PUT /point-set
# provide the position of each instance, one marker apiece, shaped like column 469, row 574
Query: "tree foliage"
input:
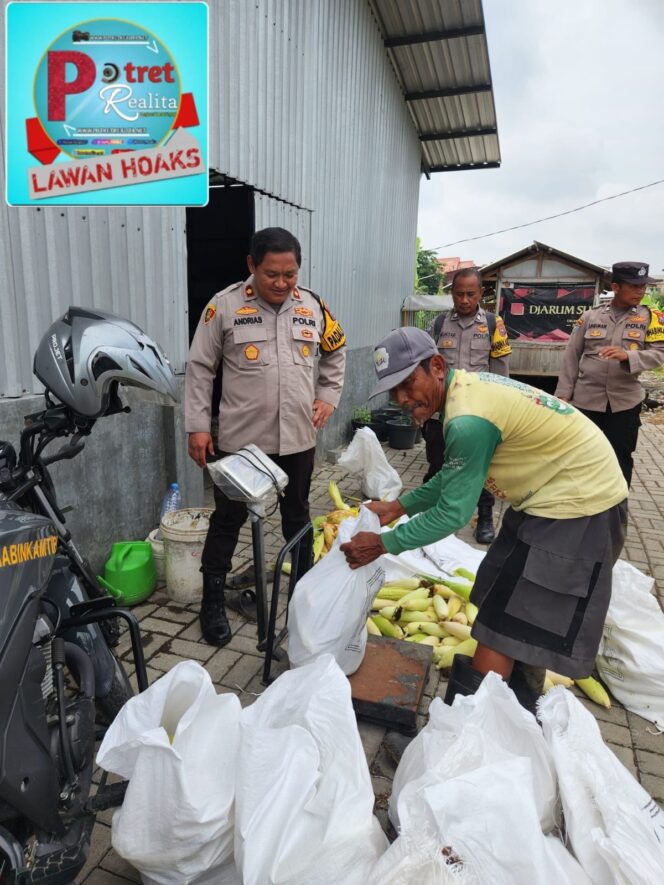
column 429, row 278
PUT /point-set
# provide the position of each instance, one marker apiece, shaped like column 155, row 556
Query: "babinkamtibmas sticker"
column 107, row 104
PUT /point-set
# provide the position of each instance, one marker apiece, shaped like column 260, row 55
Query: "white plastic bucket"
column 184, row 533
column 158, row 555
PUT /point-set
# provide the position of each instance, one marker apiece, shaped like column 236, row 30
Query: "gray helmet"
column 85, row 353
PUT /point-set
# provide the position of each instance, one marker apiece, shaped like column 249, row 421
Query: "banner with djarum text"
column 107, row 104
column 543, row 313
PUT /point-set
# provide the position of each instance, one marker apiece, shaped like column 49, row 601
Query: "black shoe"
column 464, row 678
column 247, row 578
column 527, row 683
column 484, row 533
column 214, row 623
column 243, row 602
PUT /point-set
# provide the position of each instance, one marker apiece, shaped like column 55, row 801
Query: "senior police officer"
column 469, row 338
column 266, row 332
column 544, row 586
column 609, row 347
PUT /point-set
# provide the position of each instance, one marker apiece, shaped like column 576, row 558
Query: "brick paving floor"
column 171, row 634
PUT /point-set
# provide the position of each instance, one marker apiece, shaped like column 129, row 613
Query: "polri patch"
column 210, row 314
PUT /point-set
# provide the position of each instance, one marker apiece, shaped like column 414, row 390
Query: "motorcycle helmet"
column 87, row 352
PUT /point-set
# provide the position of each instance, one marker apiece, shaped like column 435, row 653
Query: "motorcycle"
column 60, row 683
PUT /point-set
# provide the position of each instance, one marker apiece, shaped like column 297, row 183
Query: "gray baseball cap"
column 398, row 354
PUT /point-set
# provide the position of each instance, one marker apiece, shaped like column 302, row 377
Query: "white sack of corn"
column 177, row 744
column 631, row 657
column 450, row 553
column 478, row 730
column 365, row 456
column 328, row 611
column 482, row 827
column 614, row 827
column 304, row 806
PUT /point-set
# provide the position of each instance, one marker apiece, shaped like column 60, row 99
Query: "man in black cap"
column 608, row 349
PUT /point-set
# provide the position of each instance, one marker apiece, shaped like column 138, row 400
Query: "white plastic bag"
column 328, row 611
column 304, row 801
column 365, row 456
column 631, row 657
column 486, row 820
column 476, row 731
column 615, row 828
column 177, row 744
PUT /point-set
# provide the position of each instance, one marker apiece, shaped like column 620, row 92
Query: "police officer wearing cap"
column 608, row 349
column 468, row 338
column 267, row 333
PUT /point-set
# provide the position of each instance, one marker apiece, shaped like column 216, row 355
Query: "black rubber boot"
column 214, row 623
column 464, row 678
column 484, row 533
column 527, row 684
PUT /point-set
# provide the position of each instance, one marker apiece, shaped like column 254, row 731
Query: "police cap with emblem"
column 399, row 354
column 633, row 272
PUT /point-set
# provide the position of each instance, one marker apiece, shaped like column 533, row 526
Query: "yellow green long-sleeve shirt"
column 523, row 445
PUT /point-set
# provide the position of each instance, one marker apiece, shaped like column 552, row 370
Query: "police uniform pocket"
column 305, row 345
column 595, row 334
column 479, row 350
column 251, row 345
column 551, row 594
column 633, row 339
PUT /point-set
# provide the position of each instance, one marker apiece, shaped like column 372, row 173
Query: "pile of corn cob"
column 438, row 612
column 326, row 527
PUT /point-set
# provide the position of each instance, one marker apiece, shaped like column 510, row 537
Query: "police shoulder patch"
column 210, row 313
column 655, row 331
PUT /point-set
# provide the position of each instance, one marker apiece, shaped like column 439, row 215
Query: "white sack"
column 476, row 731
column 365, row 456
column 630, row 660
column 488, row 819
column 177, row 744
column 304, row 806
column 328, row 611
column 449, row 554
column 614, row 827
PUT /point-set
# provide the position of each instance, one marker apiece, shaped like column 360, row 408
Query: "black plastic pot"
column 401, row 434
column 378, row 427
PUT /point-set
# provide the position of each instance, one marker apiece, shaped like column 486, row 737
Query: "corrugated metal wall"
column 305, row 107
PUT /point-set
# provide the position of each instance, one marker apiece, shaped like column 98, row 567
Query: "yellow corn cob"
column 390, row 612
column 595, row 691
column 461, row 631
column 393, row 593
column 433, row 641
column 415, row 604
column 420, row 593
column 335, row 494
column 387, row 628
column 433, row 630
column 414, row 627
column 460, row 618
column 286, row 568
column 444, row 654
column 453, row 607
column 372, row 629
column 337, row 516
column 406, row 583
column 548, row 685
column 557, row 679
column 450, row 640
column 442, row 591
column 459, row 587
column 409, row 617
column 440, row 607
column 416, row 637
column 471, row 611
column 329, row 534
column 318, row 544
column 379, row 604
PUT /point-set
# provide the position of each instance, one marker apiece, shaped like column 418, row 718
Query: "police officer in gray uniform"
column 609, row 347
column 267, row 333
column 468, row 338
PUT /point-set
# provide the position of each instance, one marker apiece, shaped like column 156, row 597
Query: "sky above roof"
column 578, row 87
